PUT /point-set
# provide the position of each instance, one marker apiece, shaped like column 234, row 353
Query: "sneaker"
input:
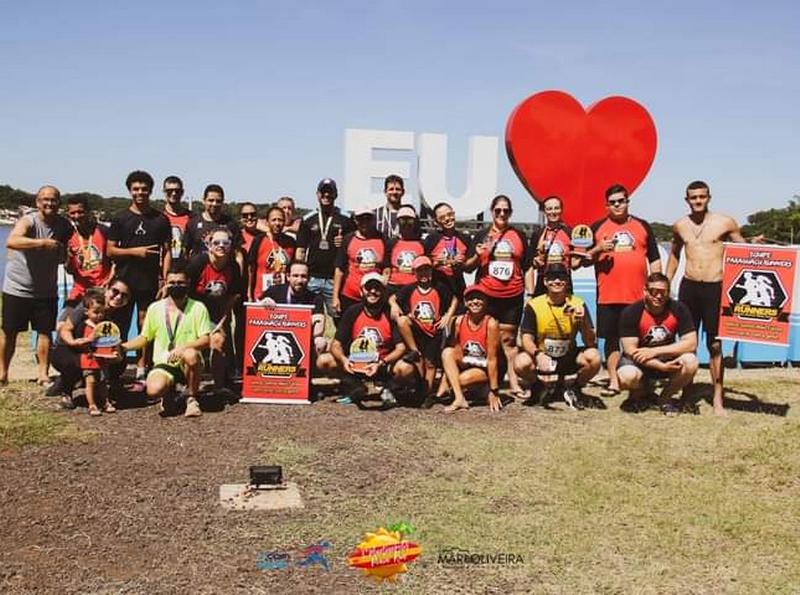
column 192, row 408
column 67, row 402
column 55, row 389
column 670, row 409
column 344, row 400
column 429, row 401
column 572, row 400
column 388, row 398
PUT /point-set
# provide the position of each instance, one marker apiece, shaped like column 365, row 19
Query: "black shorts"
column 608, row 316
column 19, row 312
column 647, row 373
column 506, row 310
column 566, row 365
column 703, row 300
column 429, row 347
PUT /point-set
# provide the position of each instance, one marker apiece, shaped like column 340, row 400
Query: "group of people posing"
column 398, row 298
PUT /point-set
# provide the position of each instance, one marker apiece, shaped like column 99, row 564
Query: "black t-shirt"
column 199, row 227
column 130, row 230
column 279, row 293
column 211, row 286
column 321, row 260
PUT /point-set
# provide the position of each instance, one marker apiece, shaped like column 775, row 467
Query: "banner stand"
column 277, row 355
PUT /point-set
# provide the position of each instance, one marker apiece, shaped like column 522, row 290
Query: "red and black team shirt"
column 474, row 342
column 211, row 286
column 357, row 257
column 652, row 330
column 401, row 258
column 439, row 245
column 501, row 266
column 426, row 307
column 270, row 256
column 356, row 322
column 88, row 259
column 622, row 273
column 178, row 225
column 554, row 244
column 247, row 240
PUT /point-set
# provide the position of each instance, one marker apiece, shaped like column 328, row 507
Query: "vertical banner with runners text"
column 757, row 283
column 277, row 354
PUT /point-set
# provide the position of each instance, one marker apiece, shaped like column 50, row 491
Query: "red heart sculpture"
column 557, row 147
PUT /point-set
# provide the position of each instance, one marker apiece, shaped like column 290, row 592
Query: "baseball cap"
column 329, row 183
column 363, row 210
column 373, row 276
column 556, row 269
column 474, row 289
column 421, row 261
column 406, row 211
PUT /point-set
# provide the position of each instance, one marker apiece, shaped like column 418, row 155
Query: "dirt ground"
column 134, row 509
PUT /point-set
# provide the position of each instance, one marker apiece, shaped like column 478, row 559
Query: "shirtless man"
column 702, row 233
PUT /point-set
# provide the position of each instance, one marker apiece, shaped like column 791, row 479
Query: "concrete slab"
column 240, row 496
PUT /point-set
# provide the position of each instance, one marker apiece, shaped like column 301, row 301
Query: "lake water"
column 4, row 231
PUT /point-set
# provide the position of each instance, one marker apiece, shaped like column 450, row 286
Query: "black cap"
column 556, row 269
column 327, row 183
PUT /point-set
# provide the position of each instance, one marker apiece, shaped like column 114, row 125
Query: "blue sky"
column 257, row 95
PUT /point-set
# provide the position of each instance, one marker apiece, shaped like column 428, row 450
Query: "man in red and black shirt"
column 448, row 249
column 177, row 214
column 403, row 251
column 363, row 251
column 428, row 308
column 87, row 251
column 658, row 341
column 624, row 247
column 368, row 346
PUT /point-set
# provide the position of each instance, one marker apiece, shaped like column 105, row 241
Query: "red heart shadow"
column 557, row 147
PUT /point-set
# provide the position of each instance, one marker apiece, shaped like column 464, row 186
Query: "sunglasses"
column 655, row 292
column 374, row 288
column 559, row 278
column 248, row 216
column 117, row 293
column 501, row 211
column 222, row 243
column 618, row 201
column 173, row 191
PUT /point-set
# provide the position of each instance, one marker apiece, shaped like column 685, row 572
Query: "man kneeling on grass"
column 367, row 346
column 550, row 324
column 180, row 329
column 651, row 350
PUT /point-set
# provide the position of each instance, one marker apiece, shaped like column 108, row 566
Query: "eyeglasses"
column 221, row 243
column 618, row 201
column 117, row 293
column 501, row 210
column 655, row 292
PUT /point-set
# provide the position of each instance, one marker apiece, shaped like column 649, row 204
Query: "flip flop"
column 609, row 392
column 453, row 408
column 95, row 412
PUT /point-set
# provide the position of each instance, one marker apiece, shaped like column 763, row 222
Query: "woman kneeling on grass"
column 471, row 356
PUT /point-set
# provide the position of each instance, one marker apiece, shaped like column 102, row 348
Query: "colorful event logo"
column 303, row 557
column 757, row 293
column 385, row 554
column 276, row 354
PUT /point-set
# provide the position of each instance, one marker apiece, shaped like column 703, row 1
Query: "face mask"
column 177, row 292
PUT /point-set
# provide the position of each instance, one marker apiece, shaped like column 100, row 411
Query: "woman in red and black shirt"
column 363, row 251
column 502, row 260
column 471, row 355
column 550, row 244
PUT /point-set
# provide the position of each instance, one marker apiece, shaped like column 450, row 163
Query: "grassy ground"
column 592, row 501
column 599, row 501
